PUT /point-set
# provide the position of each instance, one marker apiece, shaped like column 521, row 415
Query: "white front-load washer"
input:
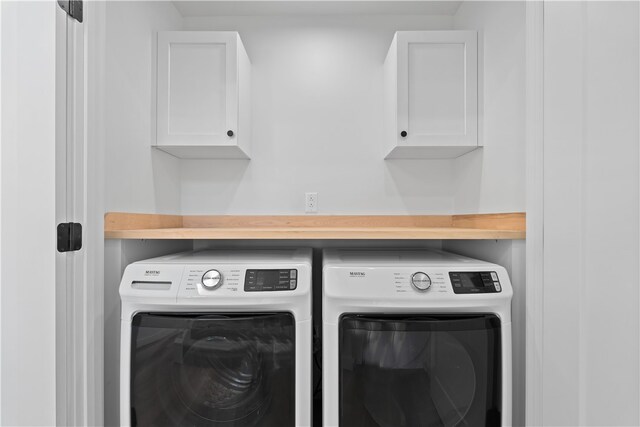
column 217, row 338
column 415, row 338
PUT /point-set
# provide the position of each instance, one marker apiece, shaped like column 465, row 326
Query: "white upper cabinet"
column 203, row 103
column 431, row 94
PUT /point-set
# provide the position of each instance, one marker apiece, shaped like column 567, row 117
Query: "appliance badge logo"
column 356, row 274
column 152, row 272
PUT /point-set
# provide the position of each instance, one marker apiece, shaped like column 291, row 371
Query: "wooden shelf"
column 229, row 227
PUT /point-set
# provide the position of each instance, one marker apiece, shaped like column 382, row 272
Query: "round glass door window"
column 419, row 371
column 213, row 370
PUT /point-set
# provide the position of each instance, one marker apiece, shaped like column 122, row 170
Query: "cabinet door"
column 197, row 88
column 437, row 88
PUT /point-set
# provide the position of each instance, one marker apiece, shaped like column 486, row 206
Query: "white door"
column 437, row 88
column 197, row 88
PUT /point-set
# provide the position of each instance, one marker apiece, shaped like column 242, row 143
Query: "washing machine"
column 217, row 338
column 415, row 338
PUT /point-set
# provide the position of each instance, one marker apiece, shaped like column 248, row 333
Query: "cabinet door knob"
column 403, row 133
column 229, row 133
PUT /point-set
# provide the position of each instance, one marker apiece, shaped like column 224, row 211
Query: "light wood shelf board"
column 332, row 227
column 119, row 221
column 503, row 221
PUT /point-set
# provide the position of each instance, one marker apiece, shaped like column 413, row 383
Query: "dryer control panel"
column 270, row 280
column 475, row 282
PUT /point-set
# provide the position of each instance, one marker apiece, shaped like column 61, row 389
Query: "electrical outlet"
column 311, row 202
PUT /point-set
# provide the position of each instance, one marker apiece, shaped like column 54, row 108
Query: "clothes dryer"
column 415, row 338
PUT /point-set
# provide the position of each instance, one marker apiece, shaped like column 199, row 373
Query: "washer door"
column 214, row 370
column 420, row 370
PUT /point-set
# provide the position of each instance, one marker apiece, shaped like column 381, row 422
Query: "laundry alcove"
column 318, row 123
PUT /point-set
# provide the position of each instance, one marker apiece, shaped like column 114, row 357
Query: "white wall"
column 493, row 179
column 138, row 178
column 591, row 313
column 316, row 118
column 27, row 213
column 317, row 88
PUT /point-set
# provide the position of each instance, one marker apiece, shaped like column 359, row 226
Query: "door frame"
column 93, row 238
column 79, row 198
column 62, row 129
column 534, row 303
column 71, row 272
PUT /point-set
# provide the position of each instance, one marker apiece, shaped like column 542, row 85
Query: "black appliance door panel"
column 231, row 370
column 420, row 370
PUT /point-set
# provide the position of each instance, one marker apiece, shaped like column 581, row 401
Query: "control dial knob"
column 211, row 280
column 421, row 281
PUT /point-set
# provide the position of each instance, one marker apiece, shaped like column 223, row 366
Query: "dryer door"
column 420, row 370
column 214, row 370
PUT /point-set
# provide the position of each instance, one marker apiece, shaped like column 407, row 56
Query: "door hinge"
column 73, row 8
column 69, row 237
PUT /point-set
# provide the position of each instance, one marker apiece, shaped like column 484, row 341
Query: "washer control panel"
column 270, row 280
column 475, row 282
column 414, row 281
column 209, row 280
